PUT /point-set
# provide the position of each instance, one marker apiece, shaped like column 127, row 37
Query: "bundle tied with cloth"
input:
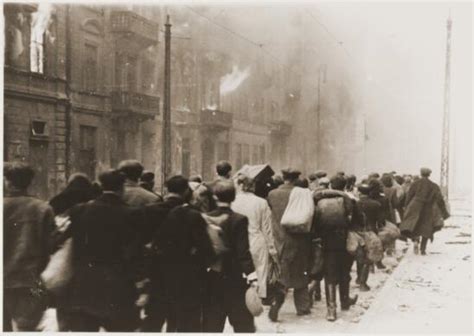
column 298, row 215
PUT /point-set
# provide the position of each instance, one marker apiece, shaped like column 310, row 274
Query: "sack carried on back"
column 331, row 210
column 298, row 215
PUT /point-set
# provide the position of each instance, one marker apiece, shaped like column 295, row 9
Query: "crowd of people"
column 185, row 261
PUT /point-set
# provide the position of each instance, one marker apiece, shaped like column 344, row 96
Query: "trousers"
column 226, row 299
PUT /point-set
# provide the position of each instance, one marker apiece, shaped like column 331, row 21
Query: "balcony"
column 133, row 29
column 216, row 120
column 126, row 102
column 280, row 128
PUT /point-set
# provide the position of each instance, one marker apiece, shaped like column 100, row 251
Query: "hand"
column 142, row 300
column 62, row 223
column 252, row 278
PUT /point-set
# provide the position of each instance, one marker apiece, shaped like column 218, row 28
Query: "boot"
column 424, row 241
column 359, row 275
column 364, row 277
column 317, row 291
column 346, row 300
column 380, row 265
column 277, row 302
column 331, row 302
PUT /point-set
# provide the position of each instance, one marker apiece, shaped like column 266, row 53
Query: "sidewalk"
column 428, row 294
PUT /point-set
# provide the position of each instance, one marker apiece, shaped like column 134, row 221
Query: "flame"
column 40, row 21
column 232, row 81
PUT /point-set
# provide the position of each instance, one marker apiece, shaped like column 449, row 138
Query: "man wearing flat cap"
column 425, row 209
column 293, row 251
column 314, row 179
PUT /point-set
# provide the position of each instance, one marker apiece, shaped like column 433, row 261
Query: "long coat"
column 294, row 249
column 261, row 241
column 424, row 207
column 186, row 251
column 106, row 257
column 27, row 226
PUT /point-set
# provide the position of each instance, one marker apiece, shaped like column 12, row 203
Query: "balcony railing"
column 216, row 119
column 132, row 102
column 136, row 27
column 280, row 128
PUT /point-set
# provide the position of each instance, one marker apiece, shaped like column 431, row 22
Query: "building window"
column 90, row 67
column 255, row 157
column 87, row 150
column 262, row 154
column 222, row 151
column 37, row 47
column 186, row 157
column 245, row 154
column 238, row 156
column 87, row 137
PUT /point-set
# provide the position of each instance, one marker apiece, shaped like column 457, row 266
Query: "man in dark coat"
column 27, row 226
column 103, row 290
column 373, row 218
column 185, row 251
column 158, row 308
column 425, row 207
column 225, row 296
column 293, row 249
column 332, row 220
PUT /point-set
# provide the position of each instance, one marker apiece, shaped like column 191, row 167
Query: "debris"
column 459, row 242
column 403, row 307
column 466, row 258
column 463, row 234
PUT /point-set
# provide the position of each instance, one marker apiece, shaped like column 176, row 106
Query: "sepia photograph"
column 300, row 167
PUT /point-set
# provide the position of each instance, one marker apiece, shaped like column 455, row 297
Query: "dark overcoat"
column 186, row 252
column 424, row 207
column 27, row 227
column 294, row 249
column 107, row 250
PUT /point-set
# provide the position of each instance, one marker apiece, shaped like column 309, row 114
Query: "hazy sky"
column 400, row 50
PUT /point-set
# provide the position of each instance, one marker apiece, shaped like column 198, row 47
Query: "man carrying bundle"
column 332, row 220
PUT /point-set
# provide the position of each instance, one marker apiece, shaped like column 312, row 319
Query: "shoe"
column 346, row 300
column 278, row 300
column 331, row 302
column 304, row 312
column 364, row 288
column 364, row 276
column 423, row 253
column 380, row 265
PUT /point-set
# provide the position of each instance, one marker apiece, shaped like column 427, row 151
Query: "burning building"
column 83, row 83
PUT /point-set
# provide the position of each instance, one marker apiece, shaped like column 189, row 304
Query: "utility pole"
column 166, row 128
column 444, row 174
column 318, row 121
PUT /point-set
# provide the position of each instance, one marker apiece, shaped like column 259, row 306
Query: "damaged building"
column 83, row 86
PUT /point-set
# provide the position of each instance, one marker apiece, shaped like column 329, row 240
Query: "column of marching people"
column 114, row 255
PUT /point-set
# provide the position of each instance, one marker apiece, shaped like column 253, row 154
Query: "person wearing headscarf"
column 78, row 190
column 262, row 245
